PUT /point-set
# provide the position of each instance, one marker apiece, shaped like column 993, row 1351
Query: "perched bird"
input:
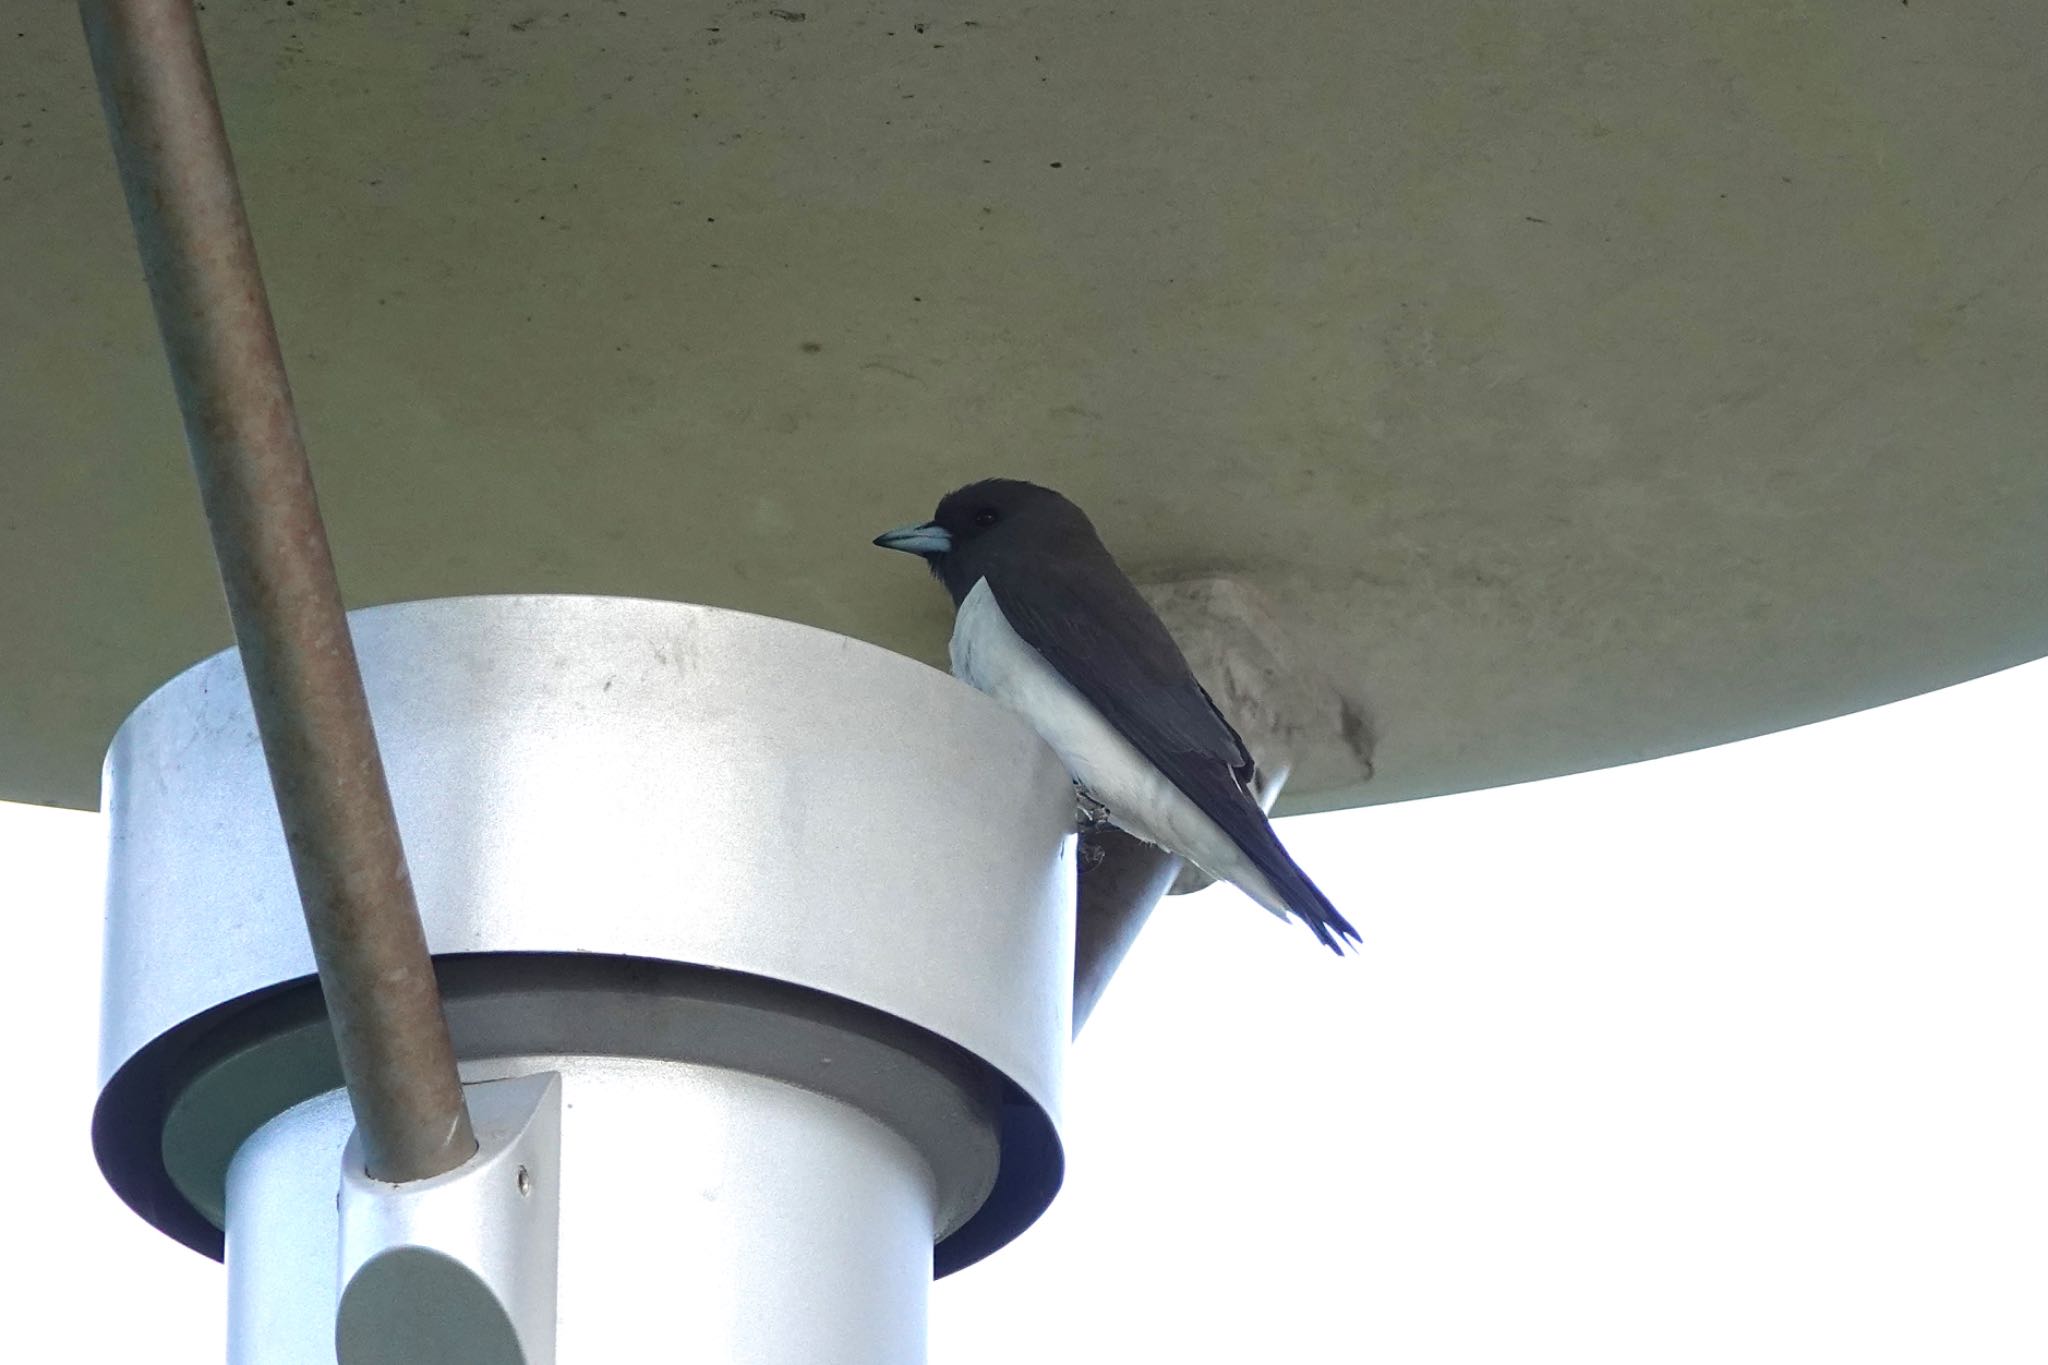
column 1046, row 623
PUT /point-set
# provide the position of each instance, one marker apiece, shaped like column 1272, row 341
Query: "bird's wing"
column 1107, row 642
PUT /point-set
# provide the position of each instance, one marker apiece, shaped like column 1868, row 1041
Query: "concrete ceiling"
column 1589, row 380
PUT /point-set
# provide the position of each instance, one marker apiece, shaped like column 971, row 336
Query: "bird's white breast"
column 991, row 657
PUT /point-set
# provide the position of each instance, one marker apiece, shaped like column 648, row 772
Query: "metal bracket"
column 459, row 1268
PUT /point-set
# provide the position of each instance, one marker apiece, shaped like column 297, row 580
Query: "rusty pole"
column 200, row 261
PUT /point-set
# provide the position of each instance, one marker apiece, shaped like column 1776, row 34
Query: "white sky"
column 1731, row 1056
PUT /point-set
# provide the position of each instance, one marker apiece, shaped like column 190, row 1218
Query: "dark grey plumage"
column 1065, row 597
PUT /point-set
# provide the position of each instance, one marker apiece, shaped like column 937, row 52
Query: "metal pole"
column 1121, row 881
column 200, row 262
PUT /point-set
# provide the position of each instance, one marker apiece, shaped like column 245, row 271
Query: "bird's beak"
column 925, row 538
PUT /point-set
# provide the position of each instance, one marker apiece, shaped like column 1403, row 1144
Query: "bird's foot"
column 1089, row 814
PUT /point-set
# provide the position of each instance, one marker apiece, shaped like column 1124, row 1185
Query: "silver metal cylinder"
column 788, row 919
column 707, row 1215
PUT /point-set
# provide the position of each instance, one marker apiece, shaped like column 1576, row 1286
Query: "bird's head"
column 985, row 521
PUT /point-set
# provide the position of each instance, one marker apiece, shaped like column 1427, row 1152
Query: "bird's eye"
column 985, row 517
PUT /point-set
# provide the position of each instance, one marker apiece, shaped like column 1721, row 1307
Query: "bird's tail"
column 1301, row 897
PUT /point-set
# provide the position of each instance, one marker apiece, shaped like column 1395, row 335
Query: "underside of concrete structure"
column 1584, row 381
